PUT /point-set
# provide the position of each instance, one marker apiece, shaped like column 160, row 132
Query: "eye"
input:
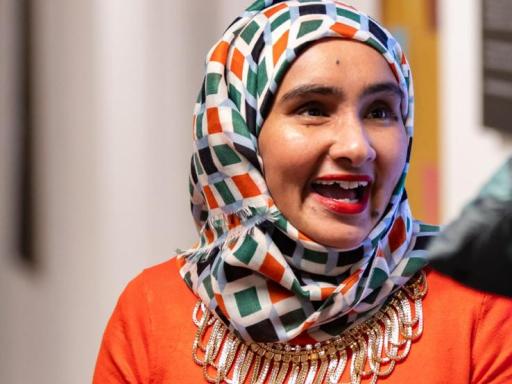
column 383, row 112
column 312, row 109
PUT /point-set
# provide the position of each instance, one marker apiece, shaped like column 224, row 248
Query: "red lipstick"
column 342, row 194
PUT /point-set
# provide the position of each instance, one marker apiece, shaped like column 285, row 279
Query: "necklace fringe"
column 369, row 350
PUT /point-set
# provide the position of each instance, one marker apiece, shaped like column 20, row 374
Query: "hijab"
column 267, row 281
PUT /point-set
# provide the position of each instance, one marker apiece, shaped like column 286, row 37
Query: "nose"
column 351, row 142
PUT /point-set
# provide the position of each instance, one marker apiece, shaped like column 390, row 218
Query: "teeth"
column 351, row 201
column 343, row 184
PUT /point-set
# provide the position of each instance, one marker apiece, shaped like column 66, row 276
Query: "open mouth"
column 343, row 194
column 348, row 191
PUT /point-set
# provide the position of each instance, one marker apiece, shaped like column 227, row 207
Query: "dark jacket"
column 476, row 249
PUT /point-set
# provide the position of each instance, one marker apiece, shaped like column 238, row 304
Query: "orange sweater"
column 467, row 336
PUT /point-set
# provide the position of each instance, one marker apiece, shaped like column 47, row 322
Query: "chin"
column 349, row 239
column 344, row 245
column 333, row 231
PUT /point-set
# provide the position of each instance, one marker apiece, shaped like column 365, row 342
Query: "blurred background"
column 96, row 101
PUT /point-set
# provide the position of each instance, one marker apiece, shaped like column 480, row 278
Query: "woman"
column 310, row 267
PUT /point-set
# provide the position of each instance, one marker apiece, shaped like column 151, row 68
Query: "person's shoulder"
column 157, row 299
column 160, row 282
column 451, row 301
column 150, row 326
column 445, row 287
column 161, row 274
column 478, row 323
column 451, row 297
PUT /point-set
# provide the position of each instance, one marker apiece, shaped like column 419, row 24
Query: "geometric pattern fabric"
column 251, row 266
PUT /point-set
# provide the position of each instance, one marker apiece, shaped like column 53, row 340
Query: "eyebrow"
column 387, row 87
column 311, row 89
column 318, row 89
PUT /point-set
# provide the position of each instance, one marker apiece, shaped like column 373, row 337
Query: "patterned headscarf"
column 264, row 278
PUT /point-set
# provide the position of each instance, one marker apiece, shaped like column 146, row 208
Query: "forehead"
column 338, row 61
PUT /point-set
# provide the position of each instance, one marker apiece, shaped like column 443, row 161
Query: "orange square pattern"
column 343, row 29
column 272, row 268
column 212, row 202
column 246, row 186
column 237, row 63
column 397, row 234
column 209, row 235
column 326, row 292
column 274, row 10
column 212, row 115
column 279, row 47
column 220, row 53
column 349, row 283
column 233, row 221
column 277, row 292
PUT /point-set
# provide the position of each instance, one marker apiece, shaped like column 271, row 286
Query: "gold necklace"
column 370, row 349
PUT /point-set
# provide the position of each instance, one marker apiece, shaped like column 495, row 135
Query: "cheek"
column 391, row 148
column 285, row 156
column 393, row 156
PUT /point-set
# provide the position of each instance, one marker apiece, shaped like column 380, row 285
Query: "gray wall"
column 114, row 91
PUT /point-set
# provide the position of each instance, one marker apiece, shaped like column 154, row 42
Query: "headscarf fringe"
column 249, row 218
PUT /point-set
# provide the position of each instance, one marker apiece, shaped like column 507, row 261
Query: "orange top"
column 466, row 339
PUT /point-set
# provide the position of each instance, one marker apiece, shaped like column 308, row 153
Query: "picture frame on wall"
column 497, row 64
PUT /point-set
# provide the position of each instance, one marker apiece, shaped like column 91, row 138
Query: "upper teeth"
column 343, row 184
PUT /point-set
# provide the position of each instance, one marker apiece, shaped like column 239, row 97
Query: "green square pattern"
column 224, row 191
column 247, row 301
column 280, row 20
column 226, row 155
column 212, row 83
column 297, row 289
column 239, row 125
column 377, row 278
column 257, row 5
column 315, row 257
column 252, row 84
column 235, row 95
column 348, row 14
column 197, row 164
column 428, row 228
column 249, row 31
column 199, row 125
column 375, row 44
column 309, row 26
column 262, row 77
column 414, row 264
column 208, row 286
column 281, row 71
column 246, row 251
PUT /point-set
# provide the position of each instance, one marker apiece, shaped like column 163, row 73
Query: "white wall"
column 371, row 7
column 470, row 152
column 229, row 9
column 116, row 84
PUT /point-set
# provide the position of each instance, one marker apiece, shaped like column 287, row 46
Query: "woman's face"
column 334, row 145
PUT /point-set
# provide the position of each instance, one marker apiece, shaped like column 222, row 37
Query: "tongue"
column 335, row 192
